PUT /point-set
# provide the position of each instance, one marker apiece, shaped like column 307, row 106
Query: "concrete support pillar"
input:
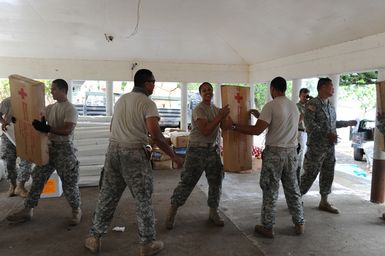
column 109, row 97
column 70, row 90
column 268, row 95
column 377, row 194
column 336, row 83
column 252, row 102
column 217, row 95
column 297, row 85
column 183, row 106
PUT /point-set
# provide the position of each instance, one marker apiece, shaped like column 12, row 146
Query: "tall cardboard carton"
column 237, row 146
column 27, row 99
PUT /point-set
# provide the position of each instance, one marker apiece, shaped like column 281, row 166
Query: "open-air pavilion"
column 221, row 41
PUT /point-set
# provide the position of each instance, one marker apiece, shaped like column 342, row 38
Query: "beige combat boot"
column 324, row 205
column 299, row 229
column 215, row 218
column 21, row 216
column 11, row 190
column 265, row 232
column 151, row 248
column 94, row 244
column 76, row 217
column 20, row 190
column 170, row 219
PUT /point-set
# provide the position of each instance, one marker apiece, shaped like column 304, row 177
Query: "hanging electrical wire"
column 137, row 20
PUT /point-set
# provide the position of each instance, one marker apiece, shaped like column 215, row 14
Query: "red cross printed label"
column 22, row 93
column 238, row 97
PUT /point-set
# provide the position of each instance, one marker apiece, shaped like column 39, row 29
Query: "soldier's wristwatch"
column 233, row 127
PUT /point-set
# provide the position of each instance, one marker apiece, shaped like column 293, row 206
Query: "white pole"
column 217, row 95
column 109, row 96
column 297, row 84
column 336, row 83
column 70, row 90
column 183, row 107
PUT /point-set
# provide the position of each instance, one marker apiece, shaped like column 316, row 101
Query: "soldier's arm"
column 206, row 127
column 340, row 124
column 65, row 130
column 311, row 123
column 3, row 123
column 152, row 124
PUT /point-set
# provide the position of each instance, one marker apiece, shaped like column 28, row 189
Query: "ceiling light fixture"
column 109, row 38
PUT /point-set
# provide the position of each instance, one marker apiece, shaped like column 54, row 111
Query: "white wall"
column 359, row 55
column 121, row 70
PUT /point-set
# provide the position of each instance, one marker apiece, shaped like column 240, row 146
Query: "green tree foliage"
column 360, row 88
column 260, row 95
column 4, row 89
column 358, row 78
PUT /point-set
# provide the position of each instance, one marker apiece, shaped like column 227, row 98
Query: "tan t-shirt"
column 204, row 111
column 6, row 109
column 59, row 113
column 129, row 119
column 282, row 116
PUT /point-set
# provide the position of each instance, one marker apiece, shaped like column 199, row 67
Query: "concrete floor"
column 358, row 230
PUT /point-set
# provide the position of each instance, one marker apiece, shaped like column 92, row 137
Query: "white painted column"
column 268, row 95
column 183, row 106
column 297, row 85
column 378, row 173
column 336, row 83
column 109, row 97
column 217, row 95
column 70, row 90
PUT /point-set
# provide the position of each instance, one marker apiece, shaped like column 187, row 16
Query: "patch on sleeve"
column 311, row 107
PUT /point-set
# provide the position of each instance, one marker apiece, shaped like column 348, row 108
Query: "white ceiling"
column 183, row 31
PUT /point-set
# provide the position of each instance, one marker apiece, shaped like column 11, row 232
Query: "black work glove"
column 13, row 120
column 41, row 126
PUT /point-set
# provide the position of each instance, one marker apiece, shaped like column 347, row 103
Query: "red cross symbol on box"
column 238, row 98
column 22, row 93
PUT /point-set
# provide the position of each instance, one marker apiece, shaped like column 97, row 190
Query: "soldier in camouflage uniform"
column 62, row 117
column 279, row 158
column 8, row 149
column 202, row 155
column 302, row 136
column 321, row 125
column 127, row 164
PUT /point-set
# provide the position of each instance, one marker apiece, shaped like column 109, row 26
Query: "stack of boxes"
column 179, row 141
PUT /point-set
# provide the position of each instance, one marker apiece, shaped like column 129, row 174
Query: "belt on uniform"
column 301, row 130
column 58, row 143
column 202, row 145
column 129, row 145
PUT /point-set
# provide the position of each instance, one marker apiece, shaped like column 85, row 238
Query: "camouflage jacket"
column 320, row 120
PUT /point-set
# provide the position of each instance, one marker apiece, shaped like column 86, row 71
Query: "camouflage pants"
column 279, row 164
column 322, row 161
column 8, row 151
column 62, row 158
column 126, row 166
column 199, row 159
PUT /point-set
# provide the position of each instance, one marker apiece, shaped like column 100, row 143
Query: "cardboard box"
column 158, row 155
column 27, row 99
column 179, row 139
column 53, row 187
column 162, row 165
column 237, row 146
